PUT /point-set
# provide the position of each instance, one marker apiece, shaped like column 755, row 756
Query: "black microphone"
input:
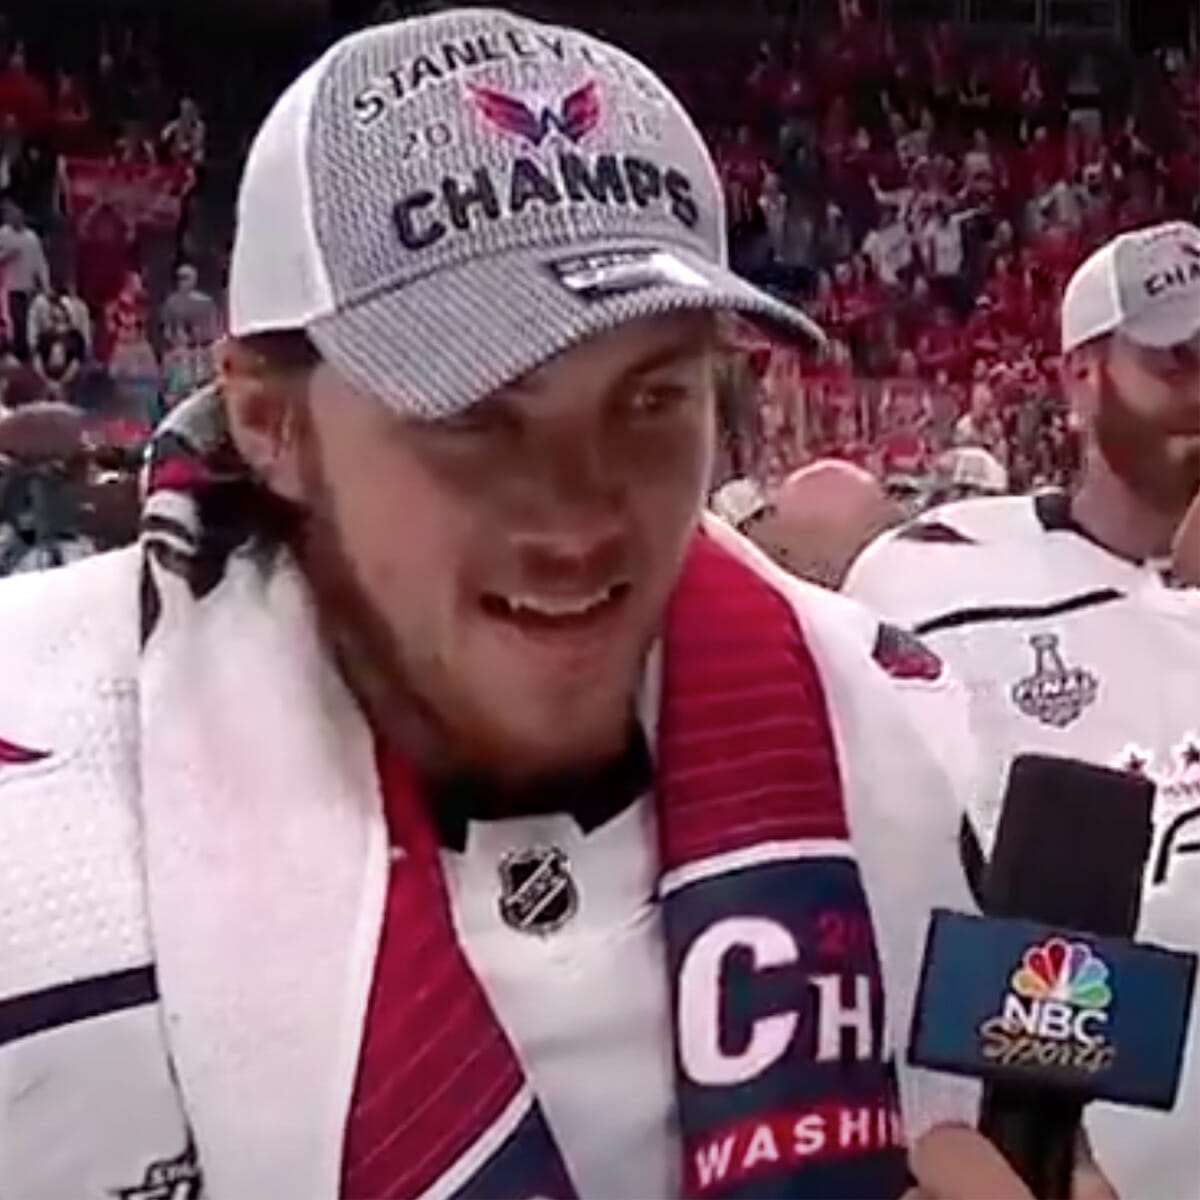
column 1046, row 997
column 1070, row 850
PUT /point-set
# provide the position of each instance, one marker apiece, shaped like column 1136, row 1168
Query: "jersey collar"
column 1053, row 511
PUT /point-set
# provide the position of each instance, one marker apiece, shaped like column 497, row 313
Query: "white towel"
column 264, row 839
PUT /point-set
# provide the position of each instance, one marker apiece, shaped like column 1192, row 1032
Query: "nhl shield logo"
column 1055, row 694
column 537, row 892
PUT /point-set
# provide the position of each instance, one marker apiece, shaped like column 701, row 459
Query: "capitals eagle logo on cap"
column 576, row 117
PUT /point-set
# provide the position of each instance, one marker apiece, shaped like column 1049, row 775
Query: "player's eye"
column 656, row 398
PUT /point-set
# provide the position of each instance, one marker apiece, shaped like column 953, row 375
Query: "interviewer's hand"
column 953, row 1162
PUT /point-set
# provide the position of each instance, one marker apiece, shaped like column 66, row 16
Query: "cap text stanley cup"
column 451, row 58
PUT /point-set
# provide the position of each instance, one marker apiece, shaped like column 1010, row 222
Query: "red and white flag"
column 144, row 195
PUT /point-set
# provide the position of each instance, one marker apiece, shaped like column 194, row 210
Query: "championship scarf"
column 781, row 1084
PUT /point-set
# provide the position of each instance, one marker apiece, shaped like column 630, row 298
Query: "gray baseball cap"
column 1145, row 284
column 445, row 202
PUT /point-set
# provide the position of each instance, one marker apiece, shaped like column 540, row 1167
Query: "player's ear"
column 264, row 407
column 1079, row 374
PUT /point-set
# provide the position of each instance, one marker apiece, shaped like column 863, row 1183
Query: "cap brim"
column 1170, row 323
column 437, row 345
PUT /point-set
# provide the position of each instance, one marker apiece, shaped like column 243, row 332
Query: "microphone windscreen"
column 1071, row 846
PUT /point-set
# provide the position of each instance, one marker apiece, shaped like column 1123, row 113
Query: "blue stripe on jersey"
column 68, row 1003
column 991, row 614
column 527, row 1163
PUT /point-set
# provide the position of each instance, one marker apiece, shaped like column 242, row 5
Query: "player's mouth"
column 542, row 614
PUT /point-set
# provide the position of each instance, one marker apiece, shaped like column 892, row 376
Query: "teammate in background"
column 826, row 513
column 1060, row 612
column 433, row 803
column 816, row 523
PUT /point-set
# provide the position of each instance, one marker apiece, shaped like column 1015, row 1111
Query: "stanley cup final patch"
column 538, row 894
column 1055, row 693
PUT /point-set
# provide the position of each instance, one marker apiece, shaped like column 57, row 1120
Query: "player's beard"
column 1144, row 454
column 357, row 632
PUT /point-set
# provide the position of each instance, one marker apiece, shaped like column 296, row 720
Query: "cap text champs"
column 423, row 217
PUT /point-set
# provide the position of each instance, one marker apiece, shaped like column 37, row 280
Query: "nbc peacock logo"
column 1066, row 972
column 1055, row 1012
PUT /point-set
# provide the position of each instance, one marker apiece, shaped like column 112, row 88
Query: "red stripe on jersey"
column 435, row 1070
column 744, row 738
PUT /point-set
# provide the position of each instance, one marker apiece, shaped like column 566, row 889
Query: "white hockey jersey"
column 1068, row 649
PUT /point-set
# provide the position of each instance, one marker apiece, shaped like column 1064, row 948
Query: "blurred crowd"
column 103, row 321
column 923, row 195
column 927, row 198
column 100, row 306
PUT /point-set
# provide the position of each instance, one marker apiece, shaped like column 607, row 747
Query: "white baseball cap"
column 444, row 203
column 739, row 501
column 1146, row 284
column 975, row 468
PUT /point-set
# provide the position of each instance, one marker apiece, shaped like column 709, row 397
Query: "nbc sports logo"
column 1064, row 973
column 1055, row 1011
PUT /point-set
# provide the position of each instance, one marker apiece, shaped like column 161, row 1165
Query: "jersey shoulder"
column 68, row 744
column 988, row 520
column 70, row 638
column 992, row 522
column 945, row 554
